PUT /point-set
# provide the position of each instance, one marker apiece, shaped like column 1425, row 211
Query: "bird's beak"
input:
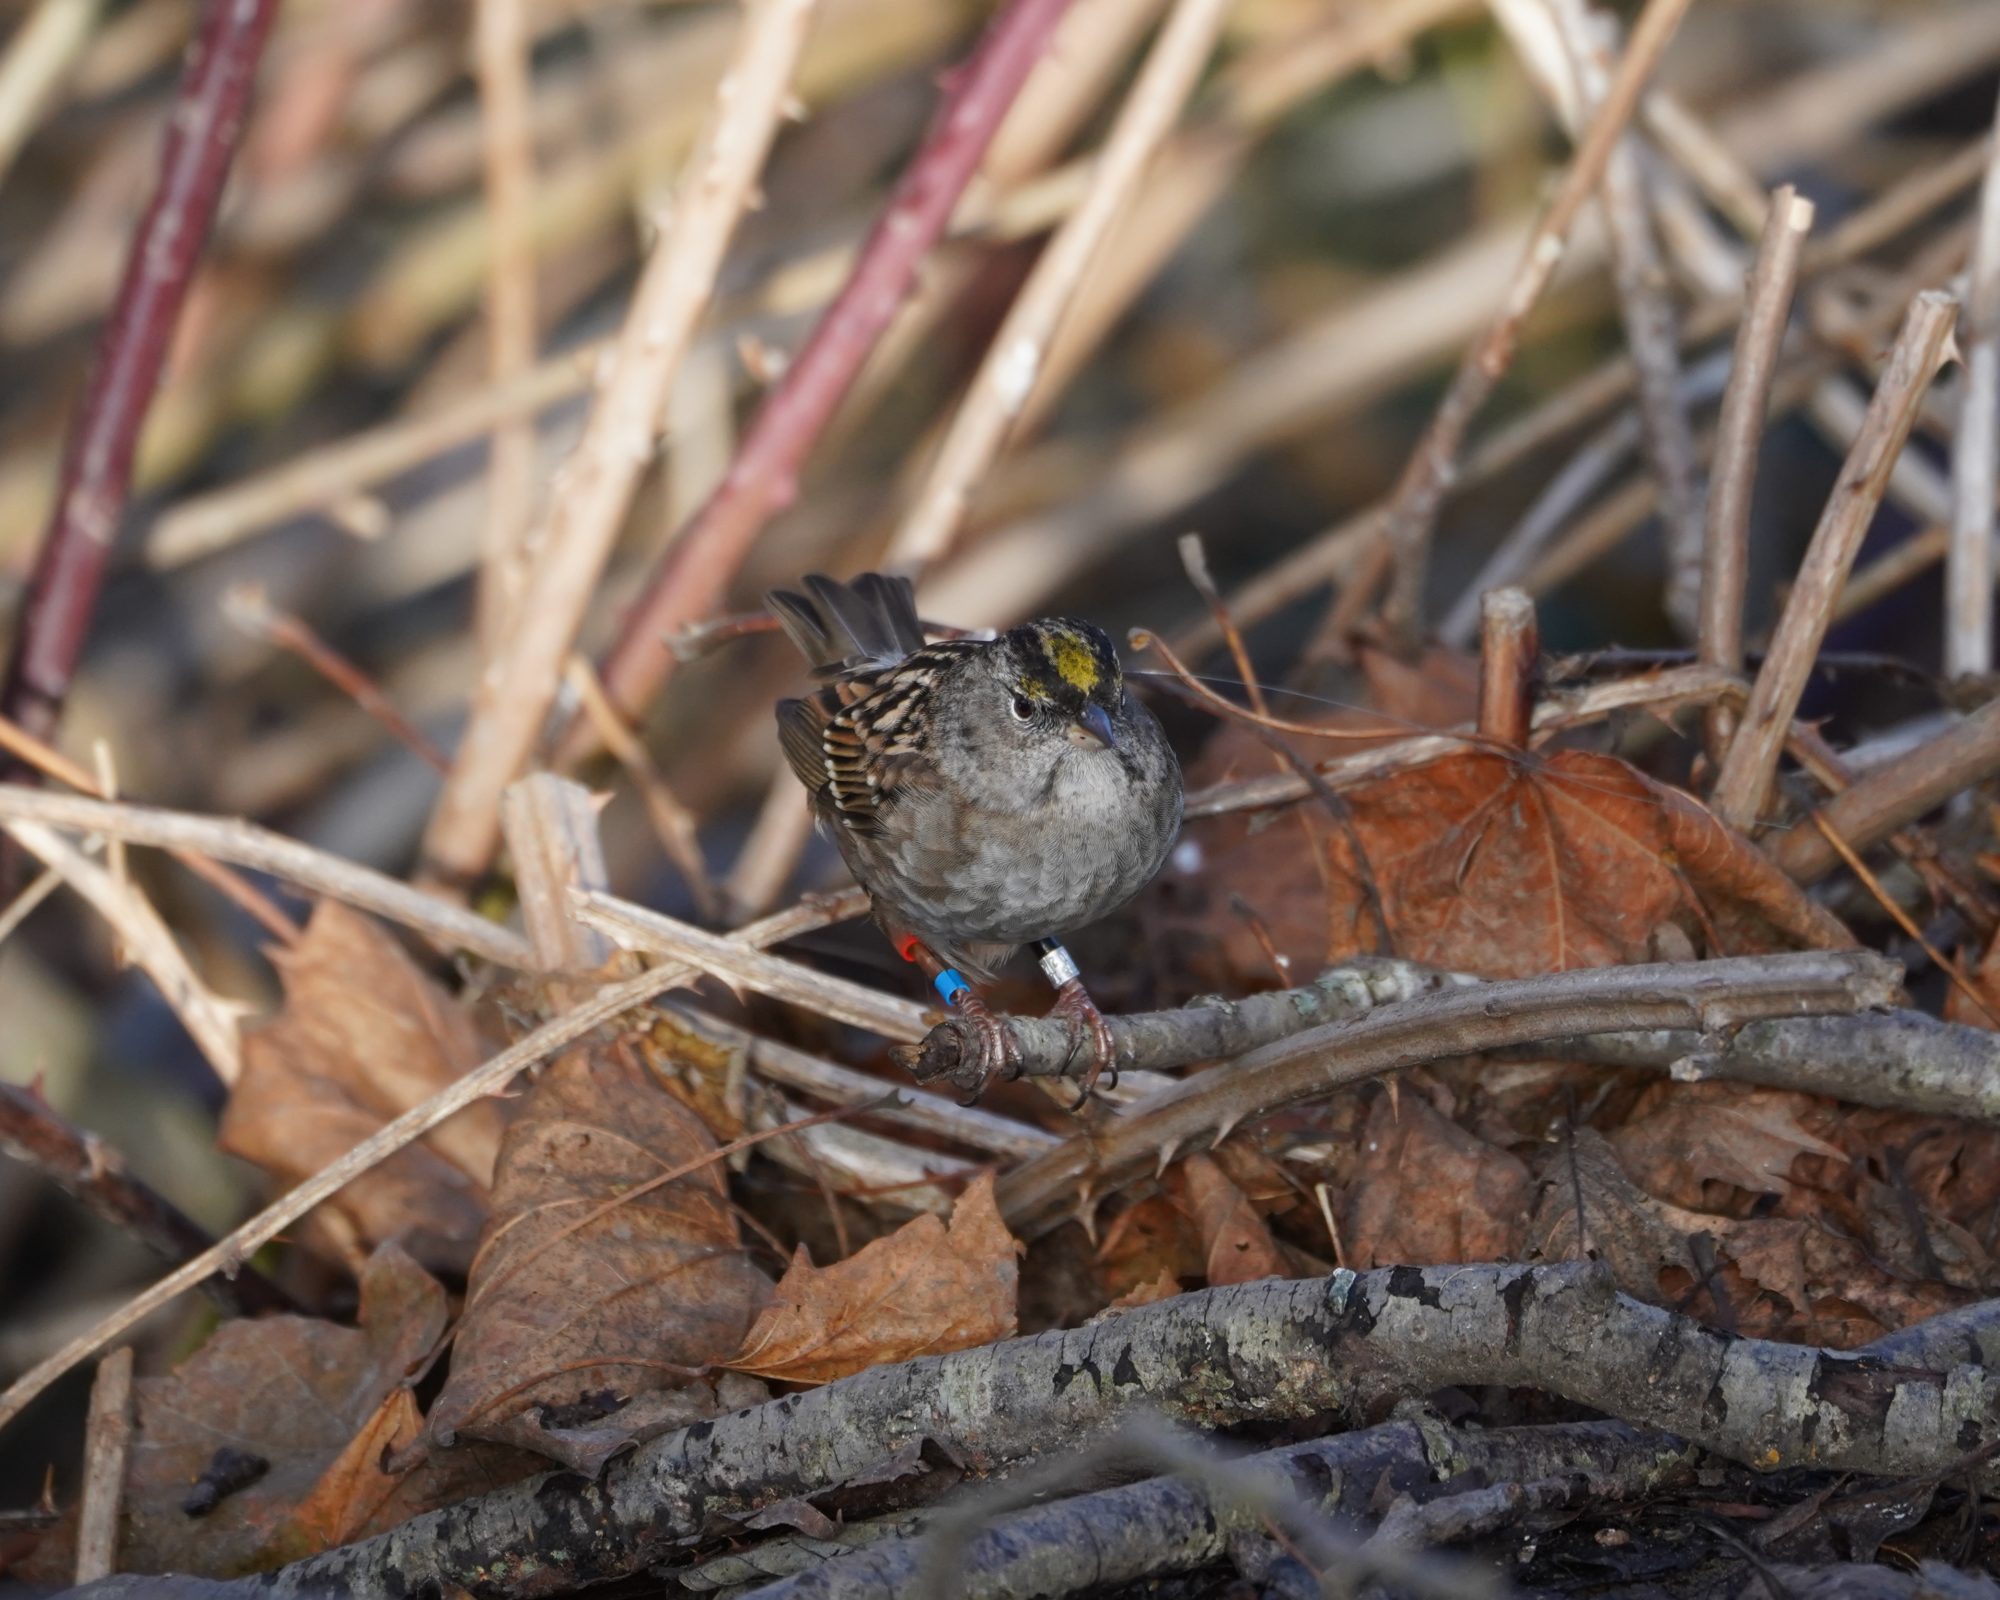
column 1093, row 728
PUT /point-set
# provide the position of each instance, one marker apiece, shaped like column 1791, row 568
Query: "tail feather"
column 840, row 627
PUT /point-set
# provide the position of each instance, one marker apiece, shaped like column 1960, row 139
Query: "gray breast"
column 969, row 869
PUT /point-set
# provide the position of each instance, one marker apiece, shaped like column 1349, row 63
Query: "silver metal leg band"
column 1057, row 966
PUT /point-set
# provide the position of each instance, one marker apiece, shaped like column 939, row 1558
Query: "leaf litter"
column 613, row 1293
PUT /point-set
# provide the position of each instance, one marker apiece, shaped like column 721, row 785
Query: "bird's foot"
column 1089, row 1036
column 994, row 1054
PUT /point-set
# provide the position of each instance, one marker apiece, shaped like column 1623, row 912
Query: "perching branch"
column 1709, row 995
column 1209, row 1029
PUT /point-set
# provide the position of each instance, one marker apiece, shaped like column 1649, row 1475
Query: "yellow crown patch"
column 1070, row 653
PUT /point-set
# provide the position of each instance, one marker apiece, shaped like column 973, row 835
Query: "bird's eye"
column 1023, row 708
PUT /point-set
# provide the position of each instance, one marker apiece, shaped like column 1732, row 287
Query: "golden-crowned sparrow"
column 987, row 793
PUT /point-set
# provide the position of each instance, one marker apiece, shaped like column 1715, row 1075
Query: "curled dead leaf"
column 922, row 1290
column 363, row 1036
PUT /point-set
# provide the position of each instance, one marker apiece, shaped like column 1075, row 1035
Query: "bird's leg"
column 1088, row 1031
column 994, row 1052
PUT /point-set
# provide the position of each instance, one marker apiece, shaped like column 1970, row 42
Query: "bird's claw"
column 994, row 1054
column 1089, row 1034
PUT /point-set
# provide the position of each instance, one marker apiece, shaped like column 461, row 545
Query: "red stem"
column 201, row 136
column 695, row 570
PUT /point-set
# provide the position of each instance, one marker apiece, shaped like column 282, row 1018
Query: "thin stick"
column 1413, row 505
column 673, row 824
column 206, row 523
column 551, row 830
column 736, row 962
column 1752, row 761
column 515, row 692
column 500, row 62
column 1895, row 795
column 107, row 1445
column 246, row 844
column 1904, row 920
column 249, row 607
column 1739, row 433
column 97, row 1177
column 148, row 943
column 690, row 578
column 777, row 839
column 1640, row 278
column 488, row 1078
column 1007, row 374
column 972, row 1126
column 1201, row 694
column 1975, row 454
column 202, row 129
column 1194, row 562
column 235, row 888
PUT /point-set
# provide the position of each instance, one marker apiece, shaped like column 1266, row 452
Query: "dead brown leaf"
column 1237, row 1247
column 311, row 1398
column 1590, row 1210
column 1427, row 1192
column 1506, row 864
column 1150, row 1239
column 922, row 1290
column 600, row 1293
column 1682, row 1137
column 1511, row 865
column 363, row 1036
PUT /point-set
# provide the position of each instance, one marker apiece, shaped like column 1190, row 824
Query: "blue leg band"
column 950, row 985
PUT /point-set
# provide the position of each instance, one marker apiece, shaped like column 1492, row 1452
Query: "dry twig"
column 246, row 844
column 202, row 130
column 1412, row 511
column 107, row 1443
column 1725, row 550
column 1015, row 356
column 1975, row 454
column 1752, row 762
column 589, row 505
column 500, row 60
column 147, row 941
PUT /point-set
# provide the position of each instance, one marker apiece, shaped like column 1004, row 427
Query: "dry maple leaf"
column 1590, row 1210
column 611, row 1274
column 1511, row 865
column 922, row 1290
column 363, row 1036
column 1506, row 864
